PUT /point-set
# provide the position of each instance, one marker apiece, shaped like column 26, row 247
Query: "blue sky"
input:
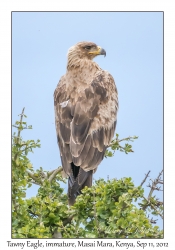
column 134, row 45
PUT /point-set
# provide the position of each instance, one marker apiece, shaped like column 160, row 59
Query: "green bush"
column 109, row 209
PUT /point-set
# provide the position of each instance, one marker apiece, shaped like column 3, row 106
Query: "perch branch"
column 55, row 172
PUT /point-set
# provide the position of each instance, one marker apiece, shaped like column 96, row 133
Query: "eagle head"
column 84, row 50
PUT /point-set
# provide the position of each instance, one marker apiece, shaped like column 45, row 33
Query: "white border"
column 5, row 98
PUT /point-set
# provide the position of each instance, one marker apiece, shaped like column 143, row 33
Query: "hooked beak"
column 99, row 51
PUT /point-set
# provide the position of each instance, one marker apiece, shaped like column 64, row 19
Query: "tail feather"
column 77, row 181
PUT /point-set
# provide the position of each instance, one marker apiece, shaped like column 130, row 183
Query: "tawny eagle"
column 86, row 104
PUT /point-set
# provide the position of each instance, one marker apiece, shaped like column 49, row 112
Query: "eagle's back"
column 85, row 115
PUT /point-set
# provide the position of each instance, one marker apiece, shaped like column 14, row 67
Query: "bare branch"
column 159, row 203
column 19, row 131
column 146, row 176
column 154, row 185
column 152, row 206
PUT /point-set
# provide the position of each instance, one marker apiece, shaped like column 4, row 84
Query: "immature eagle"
column 86, row 103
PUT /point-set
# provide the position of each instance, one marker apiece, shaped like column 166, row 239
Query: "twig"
column 19, row 131
column 124, row 139
column 33, row 177
column 150, row 204
column 159, row 203
column 16, row 155
column 111, row 144
column 154, row 185
column 146, row 176
column 152, row 221
column 55, row 172
column 51, row 172
column 43, row 175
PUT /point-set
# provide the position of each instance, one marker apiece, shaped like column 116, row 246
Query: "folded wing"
column 85, row 126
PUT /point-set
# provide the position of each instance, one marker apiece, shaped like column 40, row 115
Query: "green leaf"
column 90, row 235
column 52, row 215
column 105, row 210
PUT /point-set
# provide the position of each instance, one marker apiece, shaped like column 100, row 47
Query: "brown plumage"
column 86, row 104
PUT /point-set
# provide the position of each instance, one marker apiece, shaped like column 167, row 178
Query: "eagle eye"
column 88, row 47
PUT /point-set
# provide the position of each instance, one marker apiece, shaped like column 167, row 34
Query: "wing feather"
column 79, row 158
column 85, row 125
